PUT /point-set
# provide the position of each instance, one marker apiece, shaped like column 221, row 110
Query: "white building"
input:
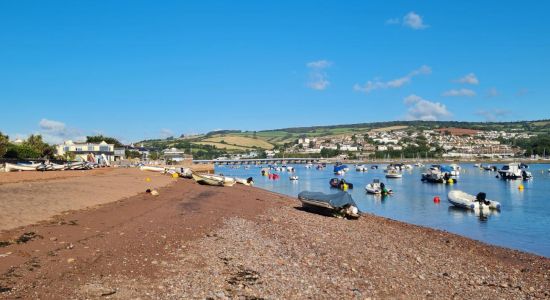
column 90, row 151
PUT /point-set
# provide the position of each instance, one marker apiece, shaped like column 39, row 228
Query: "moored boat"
column 465, row 200
column 293, row 178
column 378, row 188
column 393, row 174
column 361, row 168
column 340, row 184
column 513, row 171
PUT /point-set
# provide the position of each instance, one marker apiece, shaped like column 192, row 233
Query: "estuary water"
column 523, row 222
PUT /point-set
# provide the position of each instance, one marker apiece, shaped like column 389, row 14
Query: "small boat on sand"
column 249, row 181
column 465, row 200
column 152, row 168
column 17, row 167
column 340, row 202
column 201, row 179
column 227, row 181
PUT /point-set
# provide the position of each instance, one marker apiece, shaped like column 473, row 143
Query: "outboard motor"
column 481, row 198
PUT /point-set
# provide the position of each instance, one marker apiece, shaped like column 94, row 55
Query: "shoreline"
column 201, row 241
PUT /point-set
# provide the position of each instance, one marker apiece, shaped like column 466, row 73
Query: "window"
column 104, row 148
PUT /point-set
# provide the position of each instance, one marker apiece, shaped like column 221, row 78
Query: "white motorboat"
column 393, row 174
column 17, row 167
column 375, row 187
column 465, row 200
column 293, row 178
column 454, row 170
column 361, row 168
column 513, row 171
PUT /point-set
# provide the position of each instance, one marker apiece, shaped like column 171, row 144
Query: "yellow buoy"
column 148, row 179
column 520, row 187
column 175, row 175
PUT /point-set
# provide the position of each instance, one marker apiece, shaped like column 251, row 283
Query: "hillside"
column 238, row 141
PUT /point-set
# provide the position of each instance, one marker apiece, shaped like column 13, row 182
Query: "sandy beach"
column 197, row 242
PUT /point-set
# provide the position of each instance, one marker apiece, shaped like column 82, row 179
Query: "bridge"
column 258, row 161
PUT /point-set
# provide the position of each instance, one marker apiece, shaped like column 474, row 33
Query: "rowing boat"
column 201, row 179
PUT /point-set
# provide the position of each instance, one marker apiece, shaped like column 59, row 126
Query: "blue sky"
column 145, row 69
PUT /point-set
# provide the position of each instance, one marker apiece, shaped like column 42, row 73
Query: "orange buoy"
column 437, row 199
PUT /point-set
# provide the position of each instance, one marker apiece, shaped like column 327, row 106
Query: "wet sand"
column 199, row 242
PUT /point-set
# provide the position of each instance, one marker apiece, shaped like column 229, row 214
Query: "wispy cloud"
column 376, row 84
column 318, row 78
column 522, row 92
column 425, row 110
column 165, row 133
column 493, row 115
column 393, row 21
column 492, row 92
column 56, row 132
column 459, row 93
column 411, row 20
column 468, row 79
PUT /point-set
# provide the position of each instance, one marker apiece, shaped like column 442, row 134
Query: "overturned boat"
column 340, row 202
column 467, row 201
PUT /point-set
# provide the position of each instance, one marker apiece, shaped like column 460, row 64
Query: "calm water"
column 523, row 222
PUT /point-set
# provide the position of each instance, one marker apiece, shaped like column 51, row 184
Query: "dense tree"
column 4, row 142
column 100, row 138
column 22, row 151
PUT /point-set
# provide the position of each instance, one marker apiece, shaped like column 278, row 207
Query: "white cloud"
column 318, row 78
column 493, row 115
column 46, row 124
column 492, row 92
column 56, row 132
column 414, row 21
column 165, row 133
column 459, row 93
column 425, row 110
column 376, row 84
column 469, row 79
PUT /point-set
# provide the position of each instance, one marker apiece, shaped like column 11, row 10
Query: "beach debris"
column 4, row 289
column 148, row 179
column 244, row 277
column 26, row 237
column 71, row 260
column 4, row 243
column 154, row 193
